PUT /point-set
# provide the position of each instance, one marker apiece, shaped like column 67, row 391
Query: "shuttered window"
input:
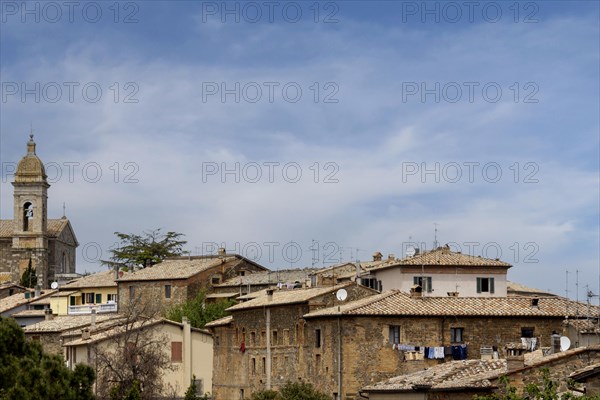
column 176, row 352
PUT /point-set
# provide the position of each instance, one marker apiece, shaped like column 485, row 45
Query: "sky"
column 306, row 133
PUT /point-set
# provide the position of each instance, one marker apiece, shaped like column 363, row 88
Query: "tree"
column 197, row 311
column 192, row 392
column 132, row 360
column 27, row 373
column 29, row 278
column 292, row 391
column 147, row 249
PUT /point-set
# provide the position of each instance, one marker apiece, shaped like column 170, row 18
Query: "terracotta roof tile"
column 66, row 322
column 395, row 303
column 219, row 322
column 443, row 256
column 284, row 296
column 17, row 300
column 270, row 277
column 100, row 279
column 176, row 268
column 55, row 227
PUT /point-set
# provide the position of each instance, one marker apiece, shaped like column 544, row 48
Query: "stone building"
column 49, row 243
column 346, row 346
column 266, row 341
column 178, row 279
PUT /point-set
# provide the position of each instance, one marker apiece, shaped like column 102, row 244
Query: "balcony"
column 87, row 309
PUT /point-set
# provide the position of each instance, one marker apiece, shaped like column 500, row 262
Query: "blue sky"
column 360, row 98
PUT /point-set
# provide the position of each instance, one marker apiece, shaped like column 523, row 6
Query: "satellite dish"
column 341, row 294
column 565, row 343
column 410, row 251
column 54, row 285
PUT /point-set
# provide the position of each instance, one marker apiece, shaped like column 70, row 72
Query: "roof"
column 284, row 296
column 221, row 295
column 396, row 303
column 220, row 322
column 55, row 227
column 119, row 329
column 30, row 313
column 66, row 322
column 100, row 279
column 585, row 372
column 8, row 285
column 464, row 374
column 443, row 256
column 270, row 277
column 17, row 300
column 178, row 268
column 450, row 375
column 584, row 325
column 518, row 289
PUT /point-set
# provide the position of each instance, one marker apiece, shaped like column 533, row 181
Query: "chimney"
column 270, row 294
column 377, row 256
column 85, row 333
column 515, row 357
column 221, row 251
column 48, row 314
column 37, row 291
column 116, row 268
column 391, row 257
column 416, row 292
column 187, row 349
column 93, row 323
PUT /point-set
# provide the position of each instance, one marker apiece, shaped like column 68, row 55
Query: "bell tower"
column 30, row 221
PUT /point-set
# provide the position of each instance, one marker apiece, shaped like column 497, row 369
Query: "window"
column 394, row 335
column 527, row 332
column 274, row 340
column 131, row 292
column 215, row 280
column 317, row 362
column 253, row 366
column 111, row 298
column 264, row 365
column 73, row 300
column 98, row 298
column 176, row 352
column 273, row 364
column 87, row 298
column 485, row 285
column 263, row 338
column 241, row 394
column 253, row 338
column 456, row 335
column 317, row 338
column 424, row 282
column 167, row 291
column 27, row 214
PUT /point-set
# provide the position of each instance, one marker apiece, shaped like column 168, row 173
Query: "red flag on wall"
column 243, row 347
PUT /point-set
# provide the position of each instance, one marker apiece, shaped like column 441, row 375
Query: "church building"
column 30, row 236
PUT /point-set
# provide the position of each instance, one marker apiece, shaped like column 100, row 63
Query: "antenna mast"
column 435, row 231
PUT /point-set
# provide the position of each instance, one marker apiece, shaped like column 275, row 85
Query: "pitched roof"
column 176, row 268
column 99, row 279
column 284, row 296
column 584, row 325
column 443, row 256
column 55, row 227
column 396, row 303
column 63, row 323
column 270, row 277
column 17, row 300
column 219, row 322
column 450, row 375
column 465, row 374
column 519, row 289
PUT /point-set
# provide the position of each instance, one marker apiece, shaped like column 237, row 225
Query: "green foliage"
column 147, row 249
column 292, row 391
column 547, row 390
column 198, row 312
column 191, row 392
column 29, row 278
column 27, row 373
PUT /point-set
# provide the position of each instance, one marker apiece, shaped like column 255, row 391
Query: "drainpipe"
column 187, row 350
column 268, row 322
column 339, row 395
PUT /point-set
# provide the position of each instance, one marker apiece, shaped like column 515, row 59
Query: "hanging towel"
column 533, row 343
column 463, row 352
column 448, row 350
column 439, row 352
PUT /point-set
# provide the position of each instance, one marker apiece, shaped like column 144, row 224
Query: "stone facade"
column 30, row 235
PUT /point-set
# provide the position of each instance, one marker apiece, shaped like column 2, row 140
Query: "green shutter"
column 478, row 285
column 429, row 288
column 98, row 298
column 72, row 300
column 415, row 280
column 491, row 285
column 82, row 298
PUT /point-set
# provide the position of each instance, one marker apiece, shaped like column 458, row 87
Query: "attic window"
column 534, row 302
column 216, row 279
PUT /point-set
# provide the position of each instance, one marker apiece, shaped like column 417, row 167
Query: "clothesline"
column 458, row 352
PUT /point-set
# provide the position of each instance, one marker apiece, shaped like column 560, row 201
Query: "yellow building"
column 93, row 292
